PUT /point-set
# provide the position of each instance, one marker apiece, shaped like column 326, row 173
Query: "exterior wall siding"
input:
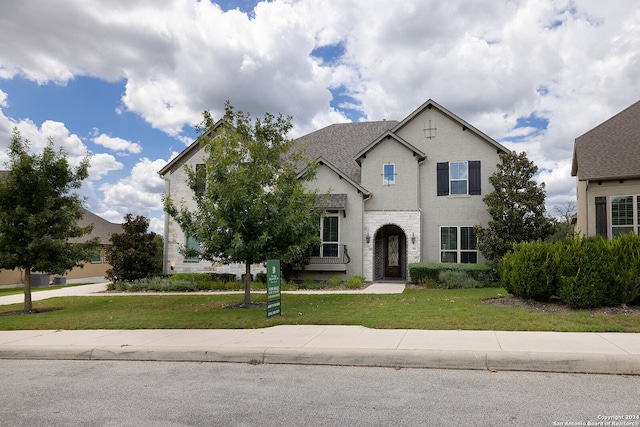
column 350, row 222
column 586, row 196
column 411, row 203
column 449, row 143
column 176, row 186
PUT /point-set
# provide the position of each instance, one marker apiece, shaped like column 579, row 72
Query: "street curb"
column 610, row 364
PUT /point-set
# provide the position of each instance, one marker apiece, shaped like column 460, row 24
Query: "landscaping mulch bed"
column 557, row 306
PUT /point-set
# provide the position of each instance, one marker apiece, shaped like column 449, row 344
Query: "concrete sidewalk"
column 603, row 353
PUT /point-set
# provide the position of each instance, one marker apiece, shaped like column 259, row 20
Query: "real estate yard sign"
column 274, row 301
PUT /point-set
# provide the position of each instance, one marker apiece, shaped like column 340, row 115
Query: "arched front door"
column 391, row 252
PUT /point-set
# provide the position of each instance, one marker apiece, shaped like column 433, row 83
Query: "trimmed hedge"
column 530, row 271
column 583, row 272
column 422, row 272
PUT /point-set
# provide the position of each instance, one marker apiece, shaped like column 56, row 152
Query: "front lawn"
column 413, row 309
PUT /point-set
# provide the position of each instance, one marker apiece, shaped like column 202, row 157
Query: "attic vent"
column 430, row 129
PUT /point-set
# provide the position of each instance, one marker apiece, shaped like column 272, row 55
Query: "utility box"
column 59, row 280
column 39, row 280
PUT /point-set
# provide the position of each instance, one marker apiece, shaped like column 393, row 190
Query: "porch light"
column 367, row 237
column 413, row 237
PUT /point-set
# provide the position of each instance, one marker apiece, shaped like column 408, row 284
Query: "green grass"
column 413, row 309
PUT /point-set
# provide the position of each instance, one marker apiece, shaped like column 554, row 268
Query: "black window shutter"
column 474, row 177
column 443, row 179
column 601, row 216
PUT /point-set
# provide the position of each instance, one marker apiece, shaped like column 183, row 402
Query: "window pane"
column 622, row 210
column 458, row 170
column 393, row 251
column 97, row 257
column 192, row 245
column 330, row 229
column 458, row 177
column 467, row 238
column 330, row 249
column 389, row 174
column 449, row 238
column 458, row 187
column 469, row 257
column 616, row 231
column 449, row 257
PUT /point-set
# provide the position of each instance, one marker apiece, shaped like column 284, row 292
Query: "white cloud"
column 489, row 61
column 101, row 164
column 139, row 193
column 117, row 144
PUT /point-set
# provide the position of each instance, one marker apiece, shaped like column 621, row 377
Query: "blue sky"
column 125, row 81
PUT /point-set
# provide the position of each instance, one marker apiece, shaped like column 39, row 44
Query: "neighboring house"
column 401, row 192
column 606, row 162
column 97, row 267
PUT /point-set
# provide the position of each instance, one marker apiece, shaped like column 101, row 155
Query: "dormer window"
column 389, row 174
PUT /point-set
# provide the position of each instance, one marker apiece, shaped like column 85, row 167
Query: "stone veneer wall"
column 408, row 221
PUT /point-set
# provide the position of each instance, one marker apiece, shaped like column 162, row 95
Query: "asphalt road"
column 105, row 393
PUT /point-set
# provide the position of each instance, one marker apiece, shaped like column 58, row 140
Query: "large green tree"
column 133, row 254
column 516, row 206
column 39, row 213
column 251, row 202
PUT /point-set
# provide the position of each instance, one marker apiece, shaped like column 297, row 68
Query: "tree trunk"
column 27, row 290
column 247, row 283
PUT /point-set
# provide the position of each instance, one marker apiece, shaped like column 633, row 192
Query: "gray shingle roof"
column 611, row 150
column 331, row 201
column 102, row 228
column 339, row 143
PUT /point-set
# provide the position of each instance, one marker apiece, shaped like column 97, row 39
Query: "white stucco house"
column 606, row 164
column 401, row 192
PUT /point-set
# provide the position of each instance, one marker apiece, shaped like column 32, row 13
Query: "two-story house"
column 606, row 164
column 401, row 192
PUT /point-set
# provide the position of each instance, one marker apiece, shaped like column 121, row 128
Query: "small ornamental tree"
column 133, row 254
column 39, row 213
column 251, row 202
column 516, row 207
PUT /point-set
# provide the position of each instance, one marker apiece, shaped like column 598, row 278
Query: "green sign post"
column 274, row 300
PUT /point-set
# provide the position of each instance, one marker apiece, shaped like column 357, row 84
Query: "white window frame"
column 635, row 224
column 388, row 179
column 465, row 179
column 458, row 251
column 329, row 242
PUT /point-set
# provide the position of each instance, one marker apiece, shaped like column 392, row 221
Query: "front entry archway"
column 390, row 253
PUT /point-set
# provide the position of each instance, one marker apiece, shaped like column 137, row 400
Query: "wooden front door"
column 392, row 256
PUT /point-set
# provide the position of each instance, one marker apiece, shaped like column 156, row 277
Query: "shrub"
column 354, row 282
column 586, row 273
column 261, row 277
column 334, row 281
column 626, row 253
column 419, row 272
column 450, row 279
column 310, row 284
column 530, row 270
column 223, row 277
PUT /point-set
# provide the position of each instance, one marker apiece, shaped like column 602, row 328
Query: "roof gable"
column 389, row 135
column 187, row 152
column 611, row 150
column 324, row 162
column 465, row 125
column 338, row 144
